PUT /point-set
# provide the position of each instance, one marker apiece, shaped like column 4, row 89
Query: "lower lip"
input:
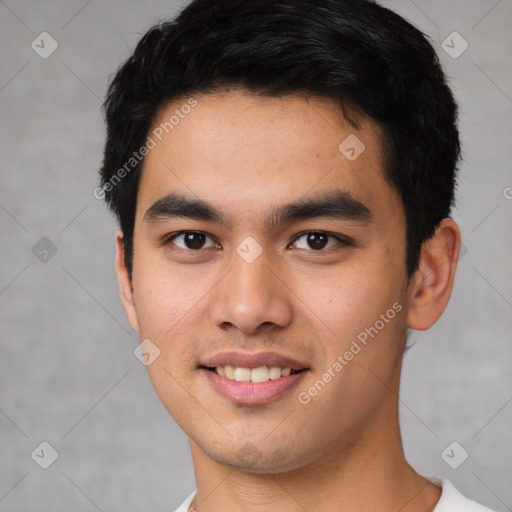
column 252, row 393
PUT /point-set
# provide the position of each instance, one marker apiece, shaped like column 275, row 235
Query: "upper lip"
column 253, row 360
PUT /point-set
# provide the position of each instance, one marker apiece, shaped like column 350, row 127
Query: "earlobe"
column 432, row 283
column 125, row 283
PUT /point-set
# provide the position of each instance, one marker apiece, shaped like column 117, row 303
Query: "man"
column 283, row 173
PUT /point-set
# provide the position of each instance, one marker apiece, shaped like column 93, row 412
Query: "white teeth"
column 242, row 374
column 260, row 374
column 275, row 372
column 229, row 371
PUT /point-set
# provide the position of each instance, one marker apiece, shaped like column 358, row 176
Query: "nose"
column 252, row 297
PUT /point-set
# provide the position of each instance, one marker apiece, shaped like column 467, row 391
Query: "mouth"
column 252, row 379
column 256, row 375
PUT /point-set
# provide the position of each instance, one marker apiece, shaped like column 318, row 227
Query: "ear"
column 432, row 283
column 125, row 283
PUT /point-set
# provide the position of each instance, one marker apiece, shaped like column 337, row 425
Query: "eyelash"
column 343, row 242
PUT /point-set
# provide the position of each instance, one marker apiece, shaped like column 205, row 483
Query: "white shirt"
column 451, row 501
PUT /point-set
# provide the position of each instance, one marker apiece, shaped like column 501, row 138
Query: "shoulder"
column 453, row 501
column 184, row 506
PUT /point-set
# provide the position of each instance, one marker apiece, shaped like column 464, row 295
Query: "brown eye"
column 191, row 240
column 318, row 240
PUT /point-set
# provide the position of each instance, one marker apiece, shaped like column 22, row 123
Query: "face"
column 262, row 247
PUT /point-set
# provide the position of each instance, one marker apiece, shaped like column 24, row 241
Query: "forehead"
column 242, row 152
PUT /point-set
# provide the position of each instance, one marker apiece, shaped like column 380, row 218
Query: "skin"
column 245, row 154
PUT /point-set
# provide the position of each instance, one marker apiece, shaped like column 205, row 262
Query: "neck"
column 362, row 471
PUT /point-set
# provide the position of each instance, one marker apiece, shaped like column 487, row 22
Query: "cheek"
column 171, row 303
column 364, row 307
column 350, row 298
column 159, row 295
column 368, row 317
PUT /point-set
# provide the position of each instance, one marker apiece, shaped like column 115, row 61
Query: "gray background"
column 68, row 375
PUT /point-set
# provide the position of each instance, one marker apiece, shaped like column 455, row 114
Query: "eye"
column 318, row 240
column 191, row 240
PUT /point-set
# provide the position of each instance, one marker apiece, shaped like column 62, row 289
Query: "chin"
column 252, row 459
column 263, row 466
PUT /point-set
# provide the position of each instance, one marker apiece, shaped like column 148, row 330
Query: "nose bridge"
column 250, row 294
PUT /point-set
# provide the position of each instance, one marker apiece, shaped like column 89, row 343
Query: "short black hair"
column 356, row 52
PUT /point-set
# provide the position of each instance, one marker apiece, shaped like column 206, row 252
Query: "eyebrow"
column 336, row 205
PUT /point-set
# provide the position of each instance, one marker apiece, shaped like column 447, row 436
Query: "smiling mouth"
column 255, row 375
